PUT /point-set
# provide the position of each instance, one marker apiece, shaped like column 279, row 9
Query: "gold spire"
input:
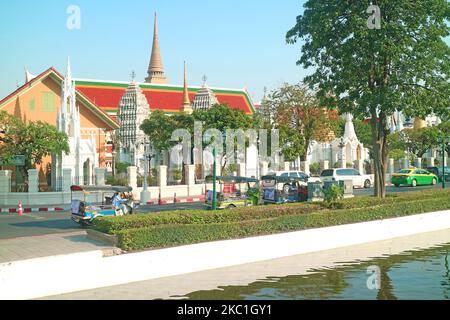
column 419, row 124
column 156, row 69
column 186, row 107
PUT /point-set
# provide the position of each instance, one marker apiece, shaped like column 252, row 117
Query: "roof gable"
column 56, row 76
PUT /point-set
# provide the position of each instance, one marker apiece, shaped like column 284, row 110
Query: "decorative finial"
column 133, row 76
column 204, row 80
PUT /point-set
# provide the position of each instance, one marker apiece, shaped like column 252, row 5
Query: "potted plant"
column 177, row 176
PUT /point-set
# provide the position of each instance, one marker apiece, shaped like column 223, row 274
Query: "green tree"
column 444, row 130
column 397, row 154
column 222, row 117
column 295, row 112
column 34, row 140
column 159, row 127
column 404, row 65
column 420, row 141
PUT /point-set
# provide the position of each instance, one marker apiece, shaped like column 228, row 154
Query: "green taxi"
column 414, row 177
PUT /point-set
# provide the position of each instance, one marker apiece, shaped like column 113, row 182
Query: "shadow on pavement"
column 48, row 224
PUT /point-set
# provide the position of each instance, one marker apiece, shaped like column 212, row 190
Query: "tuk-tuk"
column 277, row 189
column 230, row 194
column 84, row 212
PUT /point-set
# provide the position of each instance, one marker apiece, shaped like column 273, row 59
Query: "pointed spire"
column 205, row 97
column 156, row 69
column 186, row 107
column 28, row 75
column 68, row 71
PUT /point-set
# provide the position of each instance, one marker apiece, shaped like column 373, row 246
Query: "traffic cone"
column 20, row 209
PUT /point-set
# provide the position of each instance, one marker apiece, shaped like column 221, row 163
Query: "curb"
column 172, row 201
column 60, row 209
column 29, row 210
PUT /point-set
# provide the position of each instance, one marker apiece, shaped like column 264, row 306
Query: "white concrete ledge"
column 62, row 274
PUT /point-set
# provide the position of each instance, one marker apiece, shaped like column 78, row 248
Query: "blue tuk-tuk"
column 280, row 189
column 84, row 212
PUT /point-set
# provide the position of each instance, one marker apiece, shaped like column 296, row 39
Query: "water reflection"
column 417, row 274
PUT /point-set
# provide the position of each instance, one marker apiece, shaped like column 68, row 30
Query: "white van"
column 359, row 180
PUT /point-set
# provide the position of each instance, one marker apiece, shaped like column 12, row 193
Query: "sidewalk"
column 25, row 248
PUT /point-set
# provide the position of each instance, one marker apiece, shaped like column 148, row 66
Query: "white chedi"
column 346, row 149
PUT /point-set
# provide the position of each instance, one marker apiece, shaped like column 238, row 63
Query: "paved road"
column 33, row 224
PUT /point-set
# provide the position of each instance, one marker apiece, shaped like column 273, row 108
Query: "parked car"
column 292, row 174
column 438, row 172
column 359, row 180
column 414, row 177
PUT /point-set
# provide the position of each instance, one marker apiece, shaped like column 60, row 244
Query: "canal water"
column 422, row 272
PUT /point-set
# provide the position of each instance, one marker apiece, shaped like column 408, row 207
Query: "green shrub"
column 172, row 235
column 315, row 169
column 177, row 175
column 122, row 167
column 112, row 181
column 112, row 225
column 332, row 196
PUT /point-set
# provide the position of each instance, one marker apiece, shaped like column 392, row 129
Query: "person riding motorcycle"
column 119, row 204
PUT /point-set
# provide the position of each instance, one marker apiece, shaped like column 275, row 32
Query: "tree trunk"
column 379, row 142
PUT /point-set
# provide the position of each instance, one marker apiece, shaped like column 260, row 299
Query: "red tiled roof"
column 107, row 96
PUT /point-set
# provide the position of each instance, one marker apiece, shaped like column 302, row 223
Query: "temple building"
column 92, row 111
column 133, row 110
column 205, row 98
column 54, row 99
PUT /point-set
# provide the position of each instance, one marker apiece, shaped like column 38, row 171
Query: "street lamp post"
column 145, row 194
column 214, row 201
column 443, row 142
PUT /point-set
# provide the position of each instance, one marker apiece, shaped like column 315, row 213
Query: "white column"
column 33, row 181
column 304, row 166
column 419, row 163
column 324, row 165
column 264, row 168
column 360, row 166
column 189, row 174
column 5, row 181
column 287, row 166
column 241, row 169
column 391, row 166
column 100, row 176
column 132, row 177
column 445, row 162
column 162, row 176
column 430, row 162
column 67, row 180
column 405, row 163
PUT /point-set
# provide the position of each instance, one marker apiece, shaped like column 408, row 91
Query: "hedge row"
column 162, row 236
column 114, row 224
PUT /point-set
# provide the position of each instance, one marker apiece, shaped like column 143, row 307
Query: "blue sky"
column 234, row 43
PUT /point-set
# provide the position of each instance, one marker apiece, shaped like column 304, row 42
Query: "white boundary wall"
column 76, row 272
